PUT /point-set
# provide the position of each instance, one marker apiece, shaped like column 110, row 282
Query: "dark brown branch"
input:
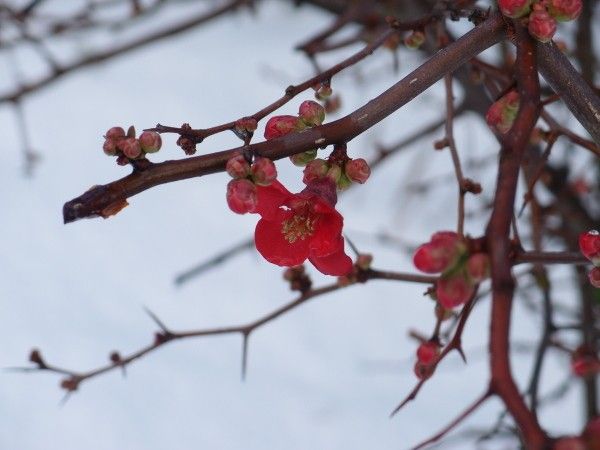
column 98, row 198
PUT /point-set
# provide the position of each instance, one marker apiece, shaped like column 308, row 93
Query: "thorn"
column 246, row 335
column 156, row 320
column 461, row 352
column 352, row 246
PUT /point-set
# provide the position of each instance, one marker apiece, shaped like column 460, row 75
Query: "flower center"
column 298, row 227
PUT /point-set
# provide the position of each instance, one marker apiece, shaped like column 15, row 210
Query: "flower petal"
column 328, row 231
column 270, row 198
column 336, row 263
column 272, row 245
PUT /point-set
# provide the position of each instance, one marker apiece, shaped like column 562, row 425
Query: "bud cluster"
column 541, row 15
column 589, row 244
column 342, row 173
column 241, row 191
column 503, row 112
column 126, row 147
column 447, row 253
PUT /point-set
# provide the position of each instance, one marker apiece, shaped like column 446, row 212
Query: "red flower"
column 294, row 227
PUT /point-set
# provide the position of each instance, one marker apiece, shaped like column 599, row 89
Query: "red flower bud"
column 130, row 147
column 514, row 8
column 115, row 133
column 263, row 171
column 237, row 167
column 314, row 170
column 311, row 113
column 110, row 147
column 594, row 277
column 478, row 267
column 589, row 244
column 357, row 170
column 414, row 40
column 501, row 115
column 150, row 141
column 427, row 352
column 542, row 25
column 565, row 10
column 423, row 371
column 241, row 196
column 439, row 254
column 278, row 126
column 453, row 291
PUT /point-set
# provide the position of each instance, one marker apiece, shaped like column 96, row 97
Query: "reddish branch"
column 498, row 240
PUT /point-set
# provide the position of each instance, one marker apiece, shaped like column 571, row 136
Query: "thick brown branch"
column 98, row 198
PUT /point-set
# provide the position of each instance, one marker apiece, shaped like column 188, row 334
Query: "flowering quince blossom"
column 296, row 227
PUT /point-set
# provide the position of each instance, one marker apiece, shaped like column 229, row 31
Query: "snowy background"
column 326, row 375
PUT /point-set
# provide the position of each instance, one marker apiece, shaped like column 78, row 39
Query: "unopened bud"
column 150, row 141
column 278, row 126
column 311, row 113
column 241, row 196
column 237, row 167
column 357, row 170
column 589, row 244
column 453, row 291
column 314, row 170
column 302, row 159
column 594, row 277
column 514, row 8
column 263, row 171
column 565, row 10
column 364, row 261
column 115, row 133
column 247, row 124
column 110, row 147
column 130, row 147
column 542, row 25
column 502, row 113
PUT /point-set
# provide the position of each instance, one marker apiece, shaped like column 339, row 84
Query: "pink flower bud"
column 278, row 126
column 130, row 147
column 150, row 141
column 440, row 254
column 594, row 277
column 478, row 267
column 453, row 291
column 302, row 159
column 110, row 147
column 241, row 196
column 542, row 25
column 565, row 10
column 246, row 124
column 589, row 244
column 502, row 114
column 115, row 133
column 414, row 40
column 237, row 167
column 583, row 366
column 357, row 170
column 323, row 93
column 314, row 170
column 263, row 171
column 427, row 352
column 311, row 113
column 514, row 8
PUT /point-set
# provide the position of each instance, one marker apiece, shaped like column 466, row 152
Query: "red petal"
column 270, row 198
column 272, row 245
column 328, row 231
column 337, row 263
